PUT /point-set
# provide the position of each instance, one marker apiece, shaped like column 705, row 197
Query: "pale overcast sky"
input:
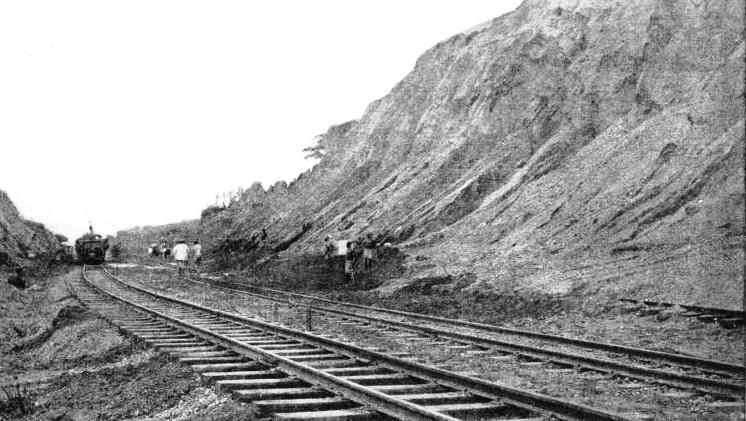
column 138, row 112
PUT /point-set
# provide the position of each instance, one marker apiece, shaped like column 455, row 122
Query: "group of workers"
column 349, row 252
column 335, row 252
column 182, row 253
column 159, row 250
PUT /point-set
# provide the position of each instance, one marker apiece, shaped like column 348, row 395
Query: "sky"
column 140, row 112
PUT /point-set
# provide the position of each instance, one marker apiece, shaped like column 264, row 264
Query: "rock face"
column 21, row 239
column 571, row 145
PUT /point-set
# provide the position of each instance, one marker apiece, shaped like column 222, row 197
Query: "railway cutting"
column 543, row 219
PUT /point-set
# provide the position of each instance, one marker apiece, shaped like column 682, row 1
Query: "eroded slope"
column 566, row 146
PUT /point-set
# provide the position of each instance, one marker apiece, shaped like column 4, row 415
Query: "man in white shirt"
column 181, row 255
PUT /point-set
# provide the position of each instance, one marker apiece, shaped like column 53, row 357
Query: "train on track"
column 91, row 248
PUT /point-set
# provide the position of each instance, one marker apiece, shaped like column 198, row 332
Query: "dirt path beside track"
column 59, row 361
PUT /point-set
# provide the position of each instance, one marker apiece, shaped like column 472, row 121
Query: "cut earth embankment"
column 60, row 361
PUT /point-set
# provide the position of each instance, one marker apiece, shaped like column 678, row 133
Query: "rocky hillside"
column 22, row 240
column 592, row 146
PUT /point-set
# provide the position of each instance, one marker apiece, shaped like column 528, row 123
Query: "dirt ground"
column 59, row 361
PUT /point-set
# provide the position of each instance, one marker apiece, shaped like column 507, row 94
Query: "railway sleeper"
column 247, row 365
column 127, row 324
column 252, row 395
column 177, row 349
column 302, row 351
column 229, row 357
column 174, row 335
column 267, row 383
column 316, row 357
column 169, row 340
column 195, row 314
column 269, row 341
column 342, row 362
column 382, row 379
column 213, row 376
column 255, row 335
column 357, row 414
column 160, row 334
column 232, row 330
column 273, row 341
column 134, row 317
column 220, row 326
column 166, row 345
column 206, row 320
column 355, row 371
column 153, row 330
column 208, row 354
column 140, row 325
column 254, row 339
column 214, row 321
column 298, row 345
column 210, row 321
column 477, row 411
column 160, row 309
column 276, row 406
column 441, row 398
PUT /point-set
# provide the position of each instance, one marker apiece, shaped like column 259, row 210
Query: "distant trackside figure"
column 181, row 255
column 197, row 253
column 350, row 257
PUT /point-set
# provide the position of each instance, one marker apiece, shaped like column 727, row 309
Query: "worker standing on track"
column 197, row 253
column 341, row 253
column 181, row 255
column 165, row 251
column 350, row 258
column 369, row 251
column 154, row 250
column 329, row 252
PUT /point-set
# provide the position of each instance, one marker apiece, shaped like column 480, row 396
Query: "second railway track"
column 682, row 371
column 293, row 374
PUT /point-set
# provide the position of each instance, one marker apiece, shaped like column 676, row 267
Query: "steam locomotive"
column 91, row 248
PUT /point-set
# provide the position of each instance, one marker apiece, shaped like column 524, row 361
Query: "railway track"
column 292, row 374
column 681, row 371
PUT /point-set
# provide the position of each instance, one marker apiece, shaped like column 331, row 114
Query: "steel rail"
column 535, row 402
column 379, row 401
column 648, row 353
column 604, row 365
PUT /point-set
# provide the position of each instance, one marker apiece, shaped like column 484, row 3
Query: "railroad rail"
column 682, row 371
column 293, row 374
